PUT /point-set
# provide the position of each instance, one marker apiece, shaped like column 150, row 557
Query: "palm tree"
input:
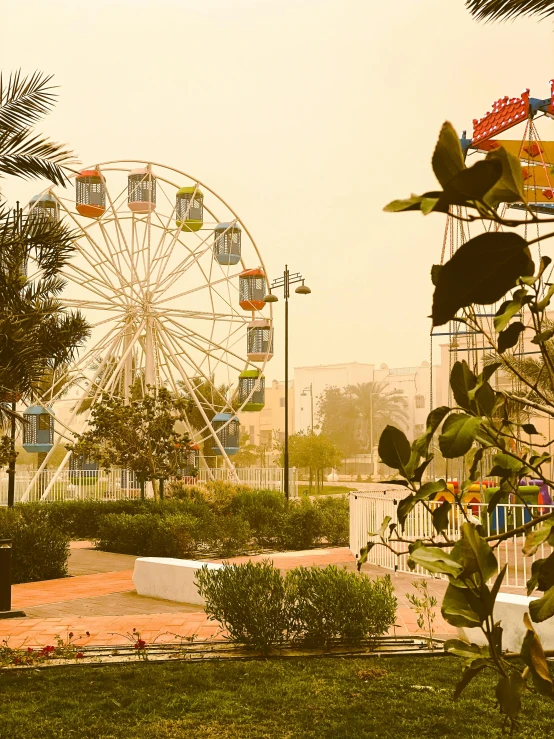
column 38, row 336
column 376, row 406
column 23, row 153
column 492, row 10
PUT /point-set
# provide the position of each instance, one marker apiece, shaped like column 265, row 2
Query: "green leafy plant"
column 249, row 600
column 483, row 424
column 39, row 551
column 333, row 605
column 424, row 605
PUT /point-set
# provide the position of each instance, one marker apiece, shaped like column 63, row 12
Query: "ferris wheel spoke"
column 75, row 371
column 99, row 267
column 85, row 280
column 192, row 290
column 192, row 258
column 91, row 304
column 176, row 389
column 196, row 340
column 176, row 352
column 203, row 315
column 174, row 342
column 123, row 243
column 124, row 281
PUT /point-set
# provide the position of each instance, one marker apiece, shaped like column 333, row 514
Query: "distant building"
column 261, row 426
column 414, row 382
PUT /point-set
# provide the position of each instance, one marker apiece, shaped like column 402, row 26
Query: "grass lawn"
column 310, row 699
column 326, row 490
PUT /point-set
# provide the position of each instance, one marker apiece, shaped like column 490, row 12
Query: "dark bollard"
column 6, row 581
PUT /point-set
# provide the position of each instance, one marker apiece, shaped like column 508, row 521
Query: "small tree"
column 314, row 451
column 139, row 436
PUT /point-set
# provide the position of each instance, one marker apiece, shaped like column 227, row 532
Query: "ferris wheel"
column 172, row 283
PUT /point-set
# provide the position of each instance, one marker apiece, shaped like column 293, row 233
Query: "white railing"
column 53, row 485
column 72, row 485
column 368, row 510
column 261, row 478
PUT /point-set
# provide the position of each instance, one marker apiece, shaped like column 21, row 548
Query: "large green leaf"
column 481, row 272
column 545, row 579
column 510, row 336
column 509, row 188
column 394, row 448
column 435, row 560
column 536, row 537
column 448, row 158
column 506, row 467
column 458, row 434
column 509, row 309
column 463, row 649
column 434, row 420
column 474, row 182
column 457, row 609
column 508, row 694
column 364, row 553
column 441, row 516
column 476, row 553
column 468, row 674
column 533, row 655
column 462, row 381
column 426, row 203
column 543, row 608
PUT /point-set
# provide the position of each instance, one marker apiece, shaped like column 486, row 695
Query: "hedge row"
column 221, row 519
column 252, row 522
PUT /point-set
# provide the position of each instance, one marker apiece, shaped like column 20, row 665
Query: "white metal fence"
column 261, row 478
column 368, row 510
column 120, row 484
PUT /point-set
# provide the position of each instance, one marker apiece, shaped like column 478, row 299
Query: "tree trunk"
column 141, row 483
column 11, row 467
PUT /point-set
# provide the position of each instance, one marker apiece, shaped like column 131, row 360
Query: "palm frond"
column 33, row 156
column 24, row 100
column 494, row 10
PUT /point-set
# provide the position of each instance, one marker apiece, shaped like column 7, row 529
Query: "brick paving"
column 104, row 602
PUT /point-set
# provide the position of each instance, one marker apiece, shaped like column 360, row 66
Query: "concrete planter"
column 170, row 579
column 509, row 609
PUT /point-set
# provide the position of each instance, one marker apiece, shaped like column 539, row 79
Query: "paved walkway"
column 103, row 602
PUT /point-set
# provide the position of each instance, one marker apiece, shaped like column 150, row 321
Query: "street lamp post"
column 304, row 394
column 285, row 282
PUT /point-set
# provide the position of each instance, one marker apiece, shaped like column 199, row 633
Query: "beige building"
column 262, row 426
column 414, row 382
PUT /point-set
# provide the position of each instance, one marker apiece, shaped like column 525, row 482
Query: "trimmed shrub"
column 332, row 604
column 249, row 600
column 147, row 535
column 40, row 551
column 302, row 526
column 264, row 511
column 335, row 524
column 318, row 607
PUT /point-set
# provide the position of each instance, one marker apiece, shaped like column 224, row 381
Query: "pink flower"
column 79, row 655
column 70, row 635
column 30, row 650
column 87, row 633
column 140, row 644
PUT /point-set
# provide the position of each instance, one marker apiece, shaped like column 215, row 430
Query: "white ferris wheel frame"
column 128, row 282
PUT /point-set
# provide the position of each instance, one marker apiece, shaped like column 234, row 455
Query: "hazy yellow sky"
column 306, row 115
